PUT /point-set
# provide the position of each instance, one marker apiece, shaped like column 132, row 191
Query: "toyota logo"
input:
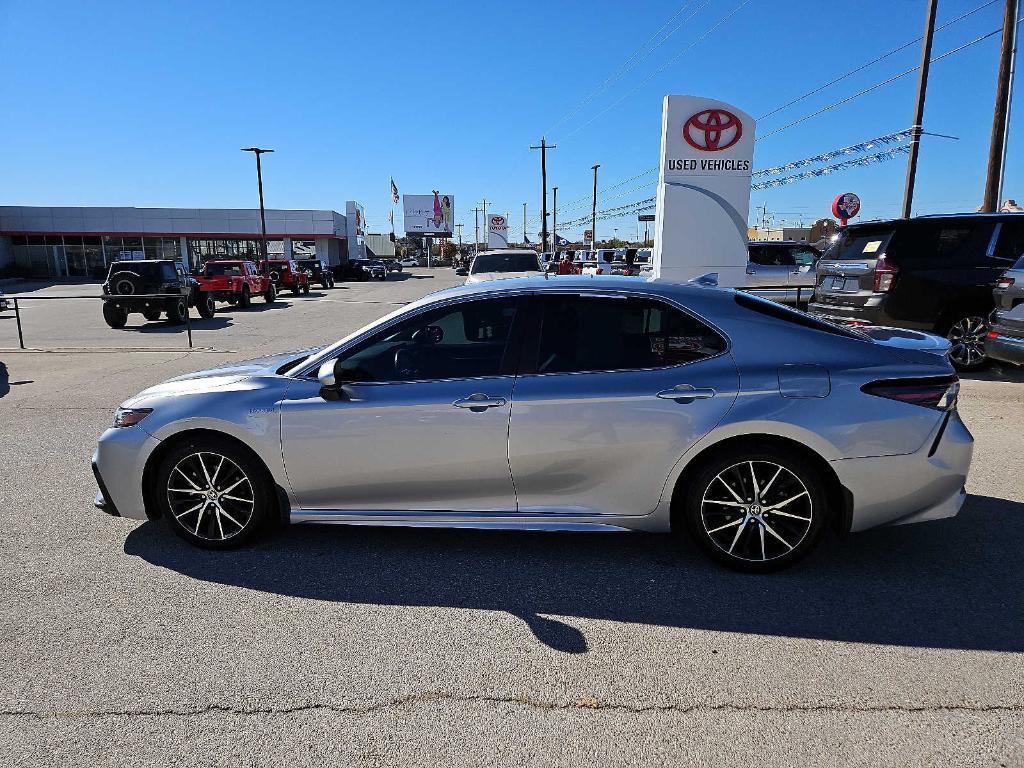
column 712, row 130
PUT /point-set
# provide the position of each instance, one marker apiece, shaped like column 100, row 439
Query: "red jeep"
column 235, row 282
column 287, row 274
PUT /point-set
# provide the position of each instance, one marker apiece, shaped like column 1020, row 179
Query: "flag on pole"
column 394, row 191
column 391, row 216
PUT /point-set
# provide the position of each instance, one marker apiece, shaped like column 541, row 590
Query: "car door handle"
column 480, row 402
column 686, row 393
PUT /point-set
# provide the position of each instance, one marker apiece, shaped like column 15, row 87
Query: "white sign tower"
column 707, row 149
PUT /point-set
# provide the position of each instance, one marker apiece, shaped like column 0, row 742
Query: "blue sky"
column 147, row 103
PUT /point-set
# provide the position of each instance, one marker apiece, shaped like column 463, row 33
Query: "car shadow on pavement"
column 5, row 380
column 948, row 584
column 198, row 324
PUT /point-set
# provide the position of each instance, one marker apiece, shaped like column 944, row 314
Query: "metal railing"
column 17, row 309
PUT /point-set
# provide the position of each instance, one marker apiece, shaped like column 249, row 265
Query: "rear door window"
column 1010, row 247
column 946, row 242
column 597, row 333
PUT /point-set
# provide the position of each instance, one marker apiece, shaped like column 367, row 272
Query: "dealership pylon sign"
column 707, row 150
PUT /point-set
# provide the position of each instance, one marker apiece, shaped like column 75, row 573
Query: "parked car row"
column 161, row 287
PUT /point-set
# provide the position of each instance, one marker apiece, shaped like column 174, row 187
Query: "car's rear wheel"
column 213, row 494
column 151, row 314
column 296, row 289
column 114, row 316
column 270, row 295
column 245, row 299
column 755, row 510
column 305, row 288
column 177, row 310
column 966, row 335
column 206, row 305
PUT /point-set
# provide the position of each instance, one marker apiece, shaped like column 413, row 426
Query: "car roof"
column 581, row 283
column 508, row 252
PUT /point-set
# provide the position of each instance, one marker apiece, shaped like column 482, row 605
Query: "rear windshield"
column 860, row 243
column 500, row 262
column 215, row 269
column 779, row 312
column 1019, row 264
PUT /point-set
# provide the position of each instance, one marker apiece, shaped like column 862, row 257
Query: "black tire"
column 305, row 289
column 270, row 295
column 225, row 520
column 206, row 305
column 245, row 299
column 126, row 283
column 114, row 316
column 177, row 310
column 743, row 529
column 966, row 333
column 296, row 289
column 152, row 314
column 325, row 283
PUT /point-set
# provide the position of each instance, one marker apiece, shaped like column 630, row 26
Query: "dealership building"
column 82, row 242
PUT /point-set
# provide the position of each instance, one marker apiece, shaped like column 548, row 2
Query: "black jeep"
column 130, row 284
column 318, row 271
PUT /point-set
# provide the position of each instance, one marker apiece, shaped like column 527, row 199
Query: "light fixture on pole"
column 259, row 180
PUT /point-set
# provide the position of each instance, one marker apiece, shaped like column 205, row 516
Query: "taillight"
column 992, row 335
column 939, row 392
column 885, row 274
column 1005, row 282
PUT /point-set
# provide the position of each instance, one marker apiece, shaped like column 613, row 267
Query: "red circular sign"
column 712, row 130
column 845, row 206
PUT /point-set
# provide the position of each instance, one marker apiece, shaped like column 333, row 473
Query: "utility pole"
column 593, row 212
column 1001, row 111
column 476, row 235
column 487, row 229
column 259, row 181
column 524, row 224
column 459, row 227
column 544, row 147
column 917, row 128
column 554, row 223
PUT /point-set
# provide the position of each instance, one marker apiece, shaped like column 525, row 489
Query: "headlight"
column 128, row 417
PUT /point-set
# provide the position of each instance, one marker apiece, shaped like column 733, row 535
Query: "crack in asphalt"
column 583, row 703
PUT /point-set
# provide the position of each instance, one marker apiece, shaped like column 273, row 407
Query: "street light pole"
column 593, row 213
column 524, row 224
column 259, row 180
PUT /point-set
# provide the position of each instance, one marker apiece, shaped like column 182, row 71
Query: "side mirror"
column 330, row 380
column 462, row 272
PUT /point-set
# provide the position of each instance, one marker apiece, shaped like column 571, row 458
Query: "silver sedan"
column 573, row 404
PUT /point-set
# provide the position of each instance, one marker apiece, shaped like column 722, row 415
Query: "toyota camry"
column 576, row 404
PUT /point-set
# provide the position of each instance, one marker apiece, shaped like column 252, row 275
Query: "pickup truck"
column 235, row 282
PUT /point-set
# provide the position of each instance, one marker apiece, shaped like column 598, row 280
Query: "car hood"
column 220, row 377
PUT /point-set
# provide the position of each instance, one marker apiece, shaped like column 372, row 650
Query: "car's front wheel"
column 757, row 510
column 212, row 493
column 270, row 295
column 114, row 316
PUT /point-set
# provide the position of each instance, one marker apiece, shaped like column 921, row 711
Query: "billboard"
column 355, row 229
column 429, row 214
column 497, row 231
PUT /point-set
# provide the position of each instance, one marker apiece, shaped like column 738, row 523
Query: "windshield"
column 213, row 270
column 505, row 262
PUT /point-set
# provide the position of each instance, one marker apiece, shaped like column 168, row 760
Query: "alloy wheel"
column 210, row 496
column 757, row 511
column 967, row 336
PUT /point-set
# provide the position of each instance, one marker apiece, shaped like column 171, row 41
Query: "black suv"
column 931, row 273
column 318, row 271
column 129, row 282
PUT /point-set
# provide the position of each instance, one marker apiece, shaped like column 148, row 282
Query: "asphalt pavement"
column 122, row 645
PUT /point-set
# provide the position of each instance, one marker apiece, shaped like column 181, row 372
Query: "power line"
column 631, row 62
column 663, row 67
column 874, row 61
column 881, row 84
